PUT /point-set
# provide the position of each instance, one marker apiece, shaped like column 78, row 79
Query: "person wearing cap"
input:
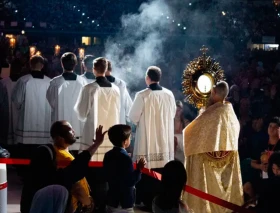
column 63, row 93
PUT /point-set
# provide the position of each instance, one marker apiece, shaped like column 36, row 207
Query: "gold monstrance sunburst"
column 199, row 78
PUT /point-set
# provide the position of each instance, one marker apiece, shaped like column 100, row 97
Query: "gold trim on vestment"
column 218, row 159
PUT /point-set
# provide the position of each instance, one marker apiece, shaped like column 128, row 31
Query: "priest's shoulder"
column 120, row 82
column 91, row 86
column 57, row 81
column 82, row 80
column 57, row 78
column 25, row 78
column 144, row 92
column 169, row 92
column 227, row 104
column 6, row 81
column 47, row 78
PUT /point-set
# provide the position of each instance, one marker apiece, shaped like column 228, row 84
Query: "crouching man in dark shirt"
column 119, row 171
column 43, row 168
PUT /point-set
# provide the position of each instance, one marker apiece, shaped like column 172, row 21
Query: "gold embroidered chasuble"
column 212, row 160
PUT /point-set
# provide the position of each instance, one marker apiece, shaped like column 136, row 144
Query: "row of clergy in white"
column 35, row 101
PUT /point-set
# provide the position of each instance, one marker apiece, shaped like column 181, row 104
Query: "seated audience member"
column 169, row 199
column 63, row 135
column 255, row 145
column 119, row 171
column 269, row 198
column 259, row 163
column 43, row 169
column 53, row 198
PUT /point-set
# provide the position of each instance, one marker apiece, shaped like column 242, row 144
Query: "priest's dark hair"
column 88, row 61
column 171, row 185
column 35, row 60
column 69, row 61
column 100, row 65
column 222, row 89
column 154, row 73
column 109, row 66
column 118, row 134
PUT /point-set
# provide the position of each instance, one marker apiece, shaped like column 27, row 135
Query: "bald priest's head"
column 219, row 92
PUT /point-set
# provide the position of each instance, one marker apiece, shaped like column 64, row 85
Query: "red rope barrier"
column 153, row 174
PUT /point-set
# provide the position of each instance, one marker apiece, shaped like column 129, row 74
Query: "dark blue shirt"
column 121, row 178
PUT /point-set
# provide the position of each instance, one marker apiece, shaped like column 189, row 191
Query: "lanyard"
column 270, row 152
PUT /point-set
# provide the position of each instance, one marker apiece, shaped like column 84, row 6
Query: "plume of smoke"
column 168, row 33
column 139, row 44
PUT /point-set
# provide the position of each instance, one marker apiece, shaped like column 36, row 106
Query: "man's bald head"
column 219, row 93
column 221, row 90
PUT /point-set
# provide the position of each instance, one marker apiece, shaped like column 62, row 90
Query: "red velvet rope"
column 153, row 174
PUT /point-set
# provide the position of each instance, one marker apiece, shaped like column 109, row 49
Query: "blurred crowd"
column 234, row 20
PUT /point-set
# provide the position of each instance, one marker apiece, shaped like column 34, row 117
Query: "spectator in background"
column 171, row 188
column 260, row 157
column 256, row 143
column 269, row 197
column 234, row 98
column 274, row 100
column 245, row 121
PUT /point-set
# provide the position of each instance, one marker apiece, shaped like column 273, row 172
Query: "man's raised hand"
column 99, row 135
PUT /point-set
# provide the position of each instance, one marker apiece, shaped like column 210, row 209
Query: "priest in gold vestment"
column 211, row 150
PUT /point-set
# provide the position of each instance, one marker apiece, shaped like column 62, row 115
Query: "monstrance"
column 199, row 77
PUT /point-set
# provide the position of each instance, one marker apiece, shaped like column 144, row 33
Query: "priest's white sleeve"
column 18, row 94
column 52, row 94
column 84, row 103
column 136, row 109
column 127, row 104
